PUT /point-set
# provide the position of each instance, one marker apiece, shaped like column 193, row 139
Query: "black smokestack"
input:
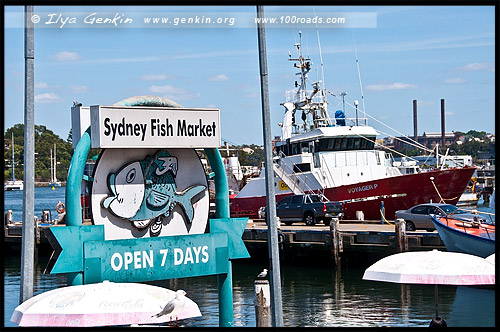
column 415, row 131
column 442, row 122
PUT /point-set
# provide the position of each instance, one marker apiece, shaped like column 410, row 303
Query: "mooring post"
column 262, row 302
column 336, row 242
column 400, row 230
column 382, row 212
column 37, row 239
column 8, row 217
column 37, row 232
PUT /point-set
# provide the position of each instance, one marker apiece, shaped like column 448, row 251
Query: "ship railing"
column 288, row 174
column 327, row 174
column 281, row 172
column 466, row 223
column 360, row 121
column 349, row 122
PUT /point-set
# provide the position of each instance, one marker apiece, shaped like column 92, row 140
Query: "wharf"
column 13, row 236
column 369, row 240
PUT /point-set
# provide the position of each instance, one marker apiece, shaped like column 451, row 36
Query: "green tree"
column 44, row 142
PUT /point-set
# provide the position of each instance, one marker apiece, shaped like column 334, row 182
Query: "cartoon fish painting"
column 143, row 191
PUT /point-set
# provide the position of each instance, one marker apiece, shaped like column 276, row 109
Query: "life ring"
column 60, row 207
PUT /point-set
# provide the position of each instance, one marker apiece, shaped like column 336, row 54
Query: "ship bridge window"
column 370, row 143
column 299, row 168
column 279, row 149
column 327, row 144
column 337, row 144
column 343, row 143
column 305, row 147
column 346, row 143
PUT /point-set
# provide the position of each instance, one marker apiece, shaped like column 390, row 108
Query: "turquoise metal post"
column 73, row 192
column 220, row 180
column 225, row 281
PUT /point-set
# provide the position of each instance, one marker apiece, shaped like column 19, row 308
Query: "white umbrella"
column 491, row 259
column 101, row 304
column 432, row 267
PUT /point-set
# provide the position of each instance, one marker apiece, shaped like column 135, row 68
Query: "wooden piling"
column 336, row 245
column 8, row 217
column 262, row 302
column 402, row 239
column 37, row 239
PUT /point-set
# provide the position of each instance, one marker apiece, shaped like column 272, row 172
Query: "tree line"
column 44, row 142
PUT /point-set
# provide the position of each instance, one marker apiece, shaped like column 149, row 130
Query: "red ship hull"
column 396, row 193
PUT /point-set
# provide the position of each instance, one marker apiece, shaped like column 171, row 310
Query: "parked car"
column 308, row 208
column 417, row 217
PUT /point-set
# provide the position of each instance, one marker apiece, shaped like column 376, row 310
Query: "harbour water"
column 45, row 198
column 314, row 295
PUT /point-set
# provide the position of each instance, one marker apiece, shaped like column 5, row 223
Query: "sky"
column 426, row 53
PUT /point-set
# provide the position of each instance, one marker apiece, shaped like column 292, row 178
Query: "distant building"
column 429, row 140
column 248, row 150
column 485, row 155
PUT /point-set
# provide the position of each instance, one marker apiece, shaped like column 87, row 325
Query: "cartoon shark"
column 144, row 190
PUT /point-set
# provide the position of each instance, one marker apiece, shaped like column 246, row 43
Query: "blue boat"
column 468, row 237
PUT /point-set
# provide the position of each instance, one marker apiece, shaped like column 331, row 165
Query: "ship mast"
column 55, row 163
column 308, row 101
column 51, row 167
column 12, row 167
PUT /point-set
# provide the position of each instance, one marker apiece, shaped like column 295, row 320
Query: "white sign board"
column 80, row 121
column 154, row 127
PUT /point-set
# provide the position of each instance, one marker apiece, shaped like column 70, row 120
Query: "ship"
column 338, row 157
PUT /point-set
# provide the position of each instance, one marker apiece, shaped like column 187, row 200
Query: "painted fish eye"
column 130, row 176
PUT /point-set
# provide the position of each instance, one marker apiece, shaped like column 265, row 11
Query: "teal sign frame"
column 82, row 253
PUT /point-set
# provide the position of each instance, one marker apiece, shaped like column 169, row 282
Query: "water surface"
column 314, row 295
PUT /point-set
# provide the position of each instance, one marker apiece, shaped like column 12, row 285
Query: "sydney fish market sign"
column 149, row 200
column 122, row 126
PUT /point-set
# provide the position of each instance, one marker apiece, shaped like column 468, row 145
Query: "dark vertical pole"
column 415, row 131
column 28, row 231
column 274, row 263
column 442, row 124
column 436, row 298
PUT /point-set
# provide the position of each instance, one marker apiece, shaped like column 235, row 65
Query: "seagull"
column 75, row 103
column 174, row 306
column 263, row 274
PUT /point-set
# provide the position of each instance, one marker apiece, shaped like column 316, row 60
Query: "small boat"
column 468, row 198
column 13, row 184
column 53, row 179
column 471, row 195
column 470, row 237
